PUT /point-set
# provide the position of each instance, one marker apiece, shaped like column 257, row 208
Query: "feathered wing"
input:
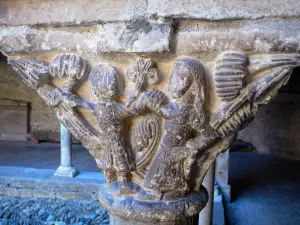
column 80, row 129
column 206, row 158
column 269, row 73
column 35, row 73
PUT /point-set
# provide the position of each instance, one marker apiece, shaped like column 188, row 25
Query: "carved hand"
column 132, row 98
column 151, row 100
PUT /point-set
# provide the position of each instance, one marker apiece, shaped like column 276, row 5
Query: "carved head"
column 184, row 72
column 104, row 81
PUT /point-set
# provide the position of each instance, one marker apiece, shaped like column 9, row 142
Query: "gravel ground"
column 36, row 211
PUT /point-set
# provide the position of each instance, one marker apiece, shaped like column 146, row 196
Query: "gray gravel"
column 36, row 211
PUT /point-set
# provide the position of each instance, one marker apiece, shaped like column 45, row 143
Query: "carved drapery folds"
column 155, row 145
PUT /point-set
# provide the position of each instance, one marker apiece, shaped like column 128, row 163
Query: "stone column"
column 206, row 215
column 65, row 169
column 222, row 167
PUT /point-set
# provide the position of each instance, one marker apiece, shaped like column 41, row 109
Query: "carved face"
column 104, row 81
column 180, row 80
column 184, row 72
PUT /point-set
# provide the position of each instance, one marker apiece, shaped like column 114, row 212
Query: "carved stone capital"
column 155, row 126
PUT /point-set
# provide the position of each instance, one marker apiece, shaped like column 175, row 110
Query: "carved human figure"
column 110, row 114
column 184, row 118
column 106, row 86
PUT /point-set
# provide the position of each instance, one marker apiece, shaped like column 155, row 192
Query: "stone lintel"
column 153, row 36
column 64, row 12
column 146, row 36
column 142, row 36
column 258, row 36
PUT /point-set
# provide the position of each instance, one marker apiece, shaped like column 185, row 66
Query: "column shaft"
column 206, row 215
column 65, row 146
column 65, row 169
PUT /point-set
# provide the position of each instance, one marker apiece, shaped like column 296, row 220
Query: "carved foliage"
column 142, row 70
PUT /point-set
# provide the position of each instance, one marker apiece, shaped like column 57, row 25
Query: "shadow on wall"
column 276, row 128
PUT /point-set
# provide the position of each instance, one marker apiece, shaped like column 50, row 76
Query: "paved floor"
column 265, row 190
column 44, row 155
column 47, row 211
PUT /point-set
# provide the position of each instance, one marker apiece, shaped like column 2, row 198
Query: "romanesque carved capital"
column 155, row 141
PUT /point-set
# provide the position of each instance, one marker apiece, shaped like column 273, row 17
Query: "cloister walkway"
column 44, row 155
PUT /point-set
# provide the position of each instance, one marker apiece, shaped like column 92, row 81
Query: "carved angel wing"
column 90, row 138
column 35, row 73
column 268, row 73
column 206, row 158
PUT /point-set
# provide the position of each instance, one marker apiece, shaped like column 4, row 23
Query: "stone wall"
column 42, row 120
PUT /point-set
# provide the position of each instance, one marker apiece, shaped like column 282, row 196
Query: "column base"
column 128, row 210
column 117, row 220
column 63, row 171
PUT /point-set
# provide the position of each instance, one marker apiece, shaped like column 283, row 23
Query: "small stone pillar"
column 206, row 215
column 65, row 169
column 222, row 168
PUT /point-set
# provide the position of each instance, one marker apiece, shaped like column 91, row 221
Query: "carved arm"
column 54, row 96
column 192, row 147
column 150, row 101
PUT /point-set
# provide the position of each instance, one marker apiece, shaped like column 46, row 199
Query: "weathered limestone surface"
column 218, row 10
column 141, row 36
column 30, row 39
column 157, row 36
column 257, row 36
column 76, row 12
column 146, row 36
